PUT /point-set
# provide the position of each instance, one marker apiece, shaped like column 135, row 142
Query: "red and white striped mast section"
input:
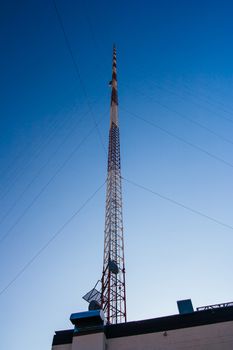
column 113, row 293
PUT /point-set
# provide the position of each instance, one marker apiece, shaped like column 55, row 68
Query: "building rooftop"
column 167, row 323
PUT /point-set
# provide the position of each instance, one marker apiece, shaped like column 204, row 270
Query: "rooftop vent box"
column 89, row 321
column 185, row 306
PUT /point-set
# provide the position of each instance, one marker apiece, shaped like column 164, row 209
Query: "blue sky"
column 175, row 71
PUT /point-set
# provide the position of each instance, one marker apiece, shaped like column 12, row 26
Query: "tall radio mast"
column 113, row 293
column 112, row 297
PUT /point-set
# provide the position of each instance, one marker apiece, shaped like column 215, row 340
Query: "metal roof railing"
column 215, row 306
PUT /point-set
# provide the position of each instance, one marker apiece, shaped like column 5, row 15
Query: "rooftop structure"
column 210, row 329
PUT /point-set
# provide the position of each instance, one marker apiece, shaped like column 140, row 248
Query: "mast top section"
column 114, row 94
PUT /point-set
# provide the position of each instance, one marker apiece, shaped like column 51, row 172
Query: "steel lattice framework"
column 113, row 293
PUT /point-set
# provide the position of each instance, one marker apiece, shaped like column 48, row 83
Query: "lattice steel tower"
column 113, row 293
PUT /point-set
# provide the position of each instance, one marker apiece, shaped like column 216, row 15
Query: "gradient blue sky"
column 174, row 63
